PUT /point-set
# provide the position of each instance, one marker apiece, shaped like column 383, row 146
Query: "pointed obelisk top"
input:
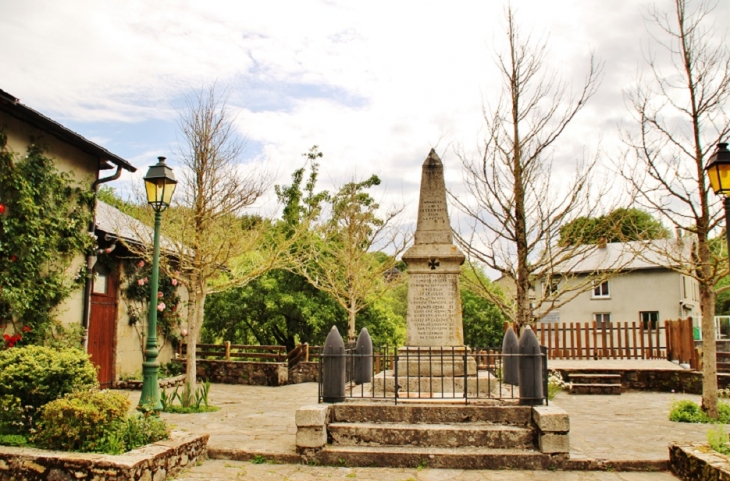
column 433, row 219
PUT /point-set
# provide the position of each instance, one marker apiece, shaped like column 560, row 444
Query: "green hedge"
column 96, row 421
column 32, row 376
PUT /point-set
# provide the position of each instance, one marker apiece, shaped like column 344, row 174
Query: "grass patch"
column 177, row 409
column 258, row 459
column 718, row 440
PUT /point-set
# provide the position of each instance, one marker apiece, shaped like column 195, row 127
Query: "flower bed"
column 157, row 461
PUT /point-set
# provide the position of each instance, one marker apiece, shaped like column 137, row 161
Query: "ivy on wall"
column 43, row 226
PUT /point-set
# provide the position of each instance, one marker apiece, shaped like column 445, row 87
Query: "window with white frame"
column 603, row 319
column 649, row 319
column 552, row 286
column 600, row 291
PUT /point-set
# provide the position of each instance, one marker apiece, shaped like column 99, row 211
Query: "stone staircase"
column 595, row 383
column 435, row 435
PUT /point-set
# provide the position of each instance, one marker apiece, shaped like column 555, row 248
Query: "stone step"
column 582, row 378
column 445, row 458
column 577, row 388
column 428, row 414
column 438, row 435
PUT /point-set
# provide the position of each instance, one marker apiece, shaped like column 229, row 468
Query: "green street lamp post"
column 718, row 171
column 160, row 184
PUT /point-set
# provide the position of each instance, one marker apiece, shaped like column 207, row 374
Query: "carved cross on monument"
column 433, row 264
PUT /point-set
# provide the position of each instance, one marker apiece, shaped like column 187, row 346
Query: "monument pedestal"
column 435, row 361
column 478, row 385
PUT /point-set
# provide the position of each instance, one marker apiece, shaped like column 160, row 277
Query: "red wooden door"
column 103, row 322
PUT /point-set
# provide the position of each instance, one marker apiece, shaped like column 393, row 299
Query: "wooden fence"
column 619, row 340
column 238, row 352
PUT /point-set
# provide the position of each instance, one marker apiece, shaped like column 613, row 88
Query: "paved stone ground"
column 215, row 470
column 634, row 425
column 259, row 420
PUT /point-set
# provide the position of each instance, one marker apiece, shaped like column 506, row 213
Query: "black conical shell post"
column 333, row 368
column 363, row 358
column 510, row 358
column 531, row 375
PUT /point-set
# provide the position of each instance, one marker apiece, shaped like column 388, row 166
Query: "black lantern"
column 160, row 184
column 718, row 170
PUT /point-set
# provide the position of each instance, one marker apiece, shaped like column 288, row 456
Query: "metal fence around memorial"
column 438, row 374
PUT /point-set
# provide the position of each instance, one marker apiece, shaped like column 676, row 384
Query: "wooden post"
column 228, row 350
column 577, row 338
column 572, row 341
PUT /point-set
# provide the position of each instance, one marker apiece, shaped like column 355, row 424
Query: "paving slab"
column 632, row 426
column 616, row 364
column 260, row 421
column 220, row 470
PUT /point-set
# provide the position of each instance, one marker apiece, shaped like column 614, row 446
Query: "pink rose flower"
column 140, row 282
column 161, row 306
column 140, row 264
column 184, row 332
column 159, row 294
column 174, row 282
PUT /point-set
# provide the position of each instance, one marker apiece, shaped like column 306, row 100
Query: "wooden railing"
column 618, row 340
column 238, row 352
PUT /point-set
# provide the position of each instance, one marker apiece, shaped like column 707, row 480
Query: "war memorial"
column 437, row 401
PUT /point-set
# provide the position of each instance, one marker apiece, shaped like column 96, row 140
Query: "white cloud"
column 375, row 84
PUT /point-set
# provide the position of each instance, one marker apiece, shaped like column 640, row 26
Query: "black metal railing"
column 448, row 374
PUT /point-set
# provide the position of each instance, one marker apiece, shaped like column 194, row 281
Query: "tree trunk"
column 709, row 345
column 351, row 321
column 195, row 322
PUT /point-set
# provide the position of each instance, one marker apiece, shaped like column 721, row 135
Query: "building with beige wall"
column 646, row 284
column 97, row 306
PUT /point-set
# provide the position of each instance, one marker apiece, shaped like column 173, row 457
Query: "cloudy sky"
column 375, row 84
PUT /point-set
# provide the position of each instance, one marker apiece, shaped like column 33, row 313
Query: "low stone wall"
column 658, row 380
column 159, row 461
column 241, row 372
column 698, row 462
column 136, row 385
column 304, row 372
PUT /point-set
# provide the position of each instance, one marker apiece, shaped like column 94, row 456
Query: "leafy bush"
column 81, row 421
column 96, row 421
column 32, row 376
column 690, row 412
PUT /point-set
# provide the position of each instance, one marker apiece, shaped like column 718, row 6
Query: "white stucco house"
column 642, row 283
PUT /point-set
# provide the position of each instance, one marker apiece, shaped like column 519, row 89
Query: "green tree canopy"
column 621, row 225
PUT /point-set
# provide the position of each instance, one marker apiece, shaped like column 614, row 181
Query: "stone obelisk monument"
column 434, row 327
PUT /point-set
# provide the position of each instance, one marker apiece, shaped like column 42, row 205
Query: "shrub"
column 690, row 412
column 36, row 375
column 81, row 421
column 96, row 421
column 13, row 440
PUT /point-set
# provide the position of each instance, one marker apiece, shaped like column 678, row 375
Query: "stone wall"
column 697, row 462
column 159, row 461
column 240, row 372
column 304, row 372
column 660, row 380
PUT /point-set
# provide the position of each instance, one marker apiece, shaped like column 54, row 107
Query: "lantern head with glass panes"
column 160, row 184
